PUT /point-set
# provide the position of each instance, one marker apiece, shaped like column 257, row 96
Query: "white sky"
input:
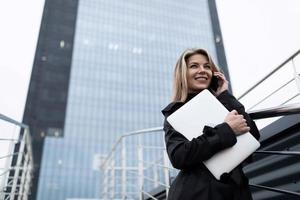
column 20, row 23
column 258, row 36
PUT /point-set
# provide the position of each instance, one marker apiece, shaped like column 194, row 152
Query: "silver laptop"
column 205, row 109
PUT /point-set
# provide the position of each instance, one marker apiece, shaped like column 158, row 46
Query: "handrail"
column 3, row 117
column 271, row 93
column 276, row 190
column 288, row 153
column 11, row 140
column 289, row 109
column 149, row 195
column 9, row 155
column 6, row 171
column 159, row 165
column 291, row 98
column 147, row 130
column 269, row 74
column 158, row 182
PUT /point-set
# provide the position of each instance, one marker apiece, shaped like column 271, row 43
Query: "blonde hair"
column 180, row 86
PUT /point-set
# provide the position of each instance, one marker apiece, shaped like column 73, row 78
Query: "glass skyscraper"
column 124, row 53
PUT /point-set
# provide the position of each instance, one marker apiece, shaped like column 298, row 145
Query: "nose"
column 201, row 69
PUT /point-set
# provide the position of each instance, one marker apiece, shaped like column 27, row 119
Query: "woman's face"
column 199, row 73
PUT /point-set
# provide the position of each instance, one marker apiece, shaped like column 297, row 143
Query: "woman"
column 194, row 72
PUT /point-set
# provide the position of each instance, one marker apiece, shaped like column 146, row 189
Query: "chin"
column 200, row 88
column 194, row 90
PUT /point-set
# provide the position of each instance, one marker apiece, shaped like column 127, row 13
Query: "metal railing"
column 116, row 162
column 16, row 162
column 294, row 77
column 131, row 175
column 150, row 167
column 281, row 86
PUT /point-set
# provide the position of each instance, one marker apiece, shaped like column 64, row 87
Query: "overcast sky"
column 20, row 23
column 258, row 36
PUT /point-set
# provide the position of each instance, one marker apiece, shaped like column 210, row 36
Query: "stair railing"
column 16, row 161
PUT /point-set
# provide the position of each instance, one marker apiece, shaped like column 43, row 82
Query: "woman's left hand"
column 222, row 82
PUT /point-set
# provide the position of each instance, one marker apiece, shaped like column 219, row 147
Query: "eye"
column 193, row 66
column 207, row 66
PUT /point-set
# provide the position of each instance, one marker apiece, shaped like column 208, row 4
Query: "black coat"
column 194, row 181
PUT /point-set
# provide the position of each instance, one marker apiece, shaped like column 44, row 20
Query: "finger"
column 242, row 131
column 246, row 128
column 234, row 112
column 241, row 117
column 219, row 74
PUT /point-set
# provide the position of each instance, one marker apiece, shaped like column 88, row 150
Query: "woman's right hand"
column 237, row 122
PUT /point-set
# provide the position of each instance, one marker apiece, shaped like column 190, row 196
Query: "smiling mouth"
column 201, row 78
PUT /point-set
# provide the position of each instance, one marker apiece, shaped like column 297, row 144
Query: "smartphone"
column 214, row 83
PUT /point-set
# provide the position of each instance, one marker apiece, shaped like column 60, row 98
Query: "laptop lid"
column 205, row 109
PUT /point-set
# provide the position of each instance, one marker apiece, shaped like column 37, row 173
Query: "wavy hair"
column 180, row 87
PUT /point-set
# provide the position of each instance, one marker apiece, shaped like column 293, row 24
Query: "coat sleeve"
column 231, row 103
column 184, row 154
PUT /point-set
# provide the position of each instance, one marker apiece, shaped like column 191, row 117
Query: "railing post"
column 166, row 169
column 28, row 180
column 24, row 173
column 29, row 166
column 25, row 166
column 107, row 178
column 296, row 75
column 105, row 181
column 5, row 177
column 123, row 159
column 112, row 179
column 155, row 173
column 19, row 163
column 140, row 166
column 17, row 166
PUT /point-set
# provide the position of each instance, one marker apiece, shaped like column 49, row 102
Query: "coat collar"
column 177, row 104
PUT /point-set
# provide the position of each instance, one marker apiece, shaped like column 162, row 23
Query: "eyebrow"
column 193, row 63
column 198, row 63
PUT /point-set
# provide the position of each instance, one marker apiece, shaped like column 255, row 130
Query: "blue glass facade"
column 121, row 77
